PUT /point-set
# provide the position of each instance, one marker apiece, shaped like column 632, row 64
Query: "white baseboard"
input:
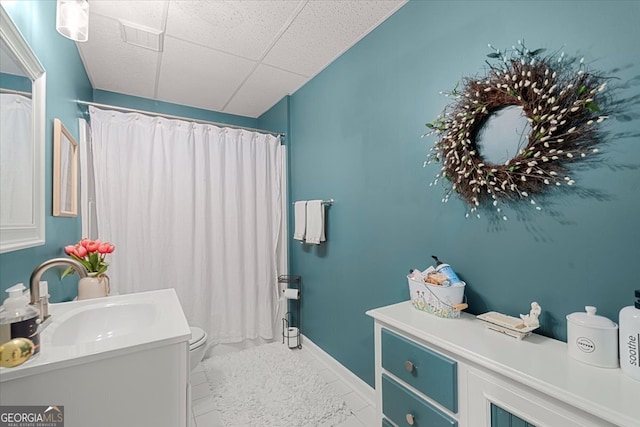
column 363, row 389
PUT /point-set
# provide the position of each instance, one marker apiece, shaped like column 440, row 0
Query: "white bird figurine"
column 531, row 320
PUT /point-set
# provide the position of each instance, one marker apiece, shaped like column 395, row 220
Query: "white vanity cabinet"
column 454, row 372
column 147, row 387
column 116, row 361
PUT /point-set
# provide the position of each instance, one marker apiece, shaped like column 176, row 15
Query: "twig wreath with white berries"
column 563, row 102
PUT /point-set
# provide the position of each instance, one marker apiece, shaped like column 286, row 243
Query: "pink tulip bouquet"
column 91, row 254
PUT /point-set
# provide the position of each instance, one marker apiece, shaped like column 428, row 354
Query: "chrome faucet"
column 34, row 283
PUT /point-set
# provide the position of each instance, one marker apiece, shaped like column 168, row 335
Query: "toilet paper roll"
column 292, row 335
column 292, row 294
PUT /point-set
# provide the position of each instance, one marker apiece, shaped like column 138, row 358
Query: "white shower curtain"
column 193, row 207
column 16, row 159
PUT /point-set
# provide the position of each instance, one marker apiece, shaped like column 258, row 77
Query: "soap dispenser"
column 18, row 319
column 630, row 338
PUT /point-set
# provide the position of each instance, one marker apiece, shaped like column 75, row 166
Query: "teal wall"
column 356, row 137
column 11, row 81
column 66, row 82
column 277, row 118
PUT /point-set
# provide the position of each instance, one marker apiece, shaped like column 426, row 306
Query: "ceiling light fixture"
column 72, row 19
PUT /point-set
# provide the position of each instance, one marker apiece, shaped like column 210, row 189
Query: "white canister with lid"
column 592, row 339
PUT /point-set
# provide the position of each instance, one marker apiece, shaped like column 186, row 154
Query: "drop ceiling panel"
column 199, row 77
column 149, row 13
column 324, row 30
column 262, row 90
column 238, row 56
column 114, row 65
column 244, row 28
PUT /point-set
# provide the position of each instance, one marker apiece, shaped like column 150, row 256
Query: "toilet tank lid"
column 197, row 335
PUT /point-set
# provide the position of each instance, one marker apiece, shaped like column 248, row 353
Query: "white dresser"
column 433, row 372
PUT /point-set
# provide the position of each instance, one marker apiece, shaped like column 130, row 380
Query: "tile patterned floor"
column 204, row 413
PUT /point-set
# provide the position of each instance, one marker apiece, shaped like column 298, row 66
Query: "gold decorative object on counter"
column 15, row 352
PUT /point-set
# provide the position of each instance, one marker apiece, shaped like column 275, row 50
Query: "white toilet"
column 197, row 346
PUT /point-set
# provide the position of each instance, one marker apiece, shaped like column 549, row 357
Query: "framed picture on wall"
column 65, row 171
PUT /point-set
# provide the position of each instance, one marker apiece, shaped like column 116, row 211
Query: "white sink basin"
column 90, row 330
column 103, row 321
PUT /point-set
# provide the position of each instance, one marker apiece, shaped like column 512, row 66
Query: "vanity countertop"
column 538, row 362
column 89, row 330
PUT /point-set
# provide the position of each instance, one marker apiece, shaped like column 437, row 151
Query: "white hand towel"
column 315, row 222
column 300, row 219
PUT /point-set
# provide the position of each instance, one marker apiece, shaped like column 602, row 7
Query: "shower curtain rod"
column 16, row 92
column 169, row 116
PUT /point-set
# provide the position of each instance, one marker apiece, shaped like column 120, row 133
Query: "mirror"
column 65, row 171
column 503, row 135
column 23, row 92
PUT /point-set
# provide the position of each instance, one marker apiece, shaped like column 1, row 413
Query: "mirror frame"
column 32, row 233
column 61, row 136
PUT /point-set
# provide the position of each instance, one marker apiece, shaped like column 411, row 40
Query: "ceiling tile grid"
column 199, row 77
column 238, row 57
column 323, row 31
column 270, row 83
column 244, row 28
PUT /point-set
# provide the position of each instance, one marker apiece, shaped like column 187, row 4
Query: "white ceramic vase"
column 93, row 286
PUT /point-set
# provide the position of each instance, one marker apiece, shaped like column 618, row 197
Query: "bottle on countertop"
column 447, row 270
column 44, row 298
column 629, row 322
column 18, row 319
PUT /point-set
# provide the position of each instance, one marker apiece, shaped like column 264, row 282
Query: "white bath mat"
column 271, row 385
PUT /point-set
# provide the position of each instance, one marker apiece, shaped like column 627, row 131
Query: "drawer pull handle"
column 409, row 419
column 408, row 366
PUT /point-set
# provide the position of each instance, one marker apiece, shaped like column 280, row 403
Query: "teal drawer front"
column 398, row 402
column 427, row 371
column 386, row 423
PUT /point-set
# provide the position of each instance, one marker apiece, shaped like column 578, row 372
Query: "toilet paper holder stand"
column 291, row 329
